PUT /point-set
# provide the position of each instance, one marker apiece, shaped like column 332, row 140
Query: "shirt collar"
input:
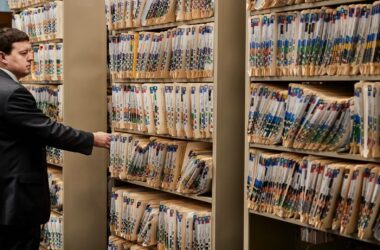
column 10, row 74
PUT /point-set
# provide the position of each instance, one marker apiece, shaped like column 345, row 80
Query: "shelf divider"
column 165, row 25
column 120, row 130
column 189, row 196
column 344, row 156
column 84, row 105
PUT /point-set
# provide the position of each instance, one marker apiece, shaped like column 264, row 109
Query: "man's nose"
column 30, row 57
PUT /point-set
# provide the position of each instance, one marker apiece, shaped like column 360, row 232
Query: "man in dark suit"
column 24, row 133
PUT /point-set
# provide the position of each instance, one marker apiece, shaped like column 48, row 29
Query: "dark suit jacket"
column 24, row 133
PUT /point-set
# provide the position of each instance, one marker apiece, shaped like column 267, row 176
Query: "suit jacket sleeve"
column 21, row 112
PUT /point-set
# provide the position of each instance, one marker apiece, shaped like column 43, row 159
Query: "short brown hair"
column 8, row 36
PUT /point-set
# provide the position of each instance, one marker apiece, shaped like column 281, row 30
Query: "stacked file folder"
column 194, row 9
column 310, row 117
column 109, row 112
column 376, row 230
column 366, row 127
column 266, row 113
column 172, row 165
column 150, row 218
column 118, row 243
column 52, row 232
column 164, row 162
column 315, row 42
column 42, row 23
column 56, row 188
column 47, row 64
column 314, row 117
column 184, row 225
column 266, row 4
column 129, row 156
column 183, row 52
column 134, row 215
column 181, row 110
column 48, row 99
column 368, row 199
column 54, row 156
column 133, row 13
column 321, row 192
column 17, row 4
column 317, row 118
column 197, row 170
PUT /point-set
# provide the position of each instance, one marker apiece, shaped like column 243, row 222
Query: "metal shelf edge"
column 165, row 25
column 315, row 79
column 344, row 156
column 162, row 136
column 193, row 197
column 54, row 165
column 304, row 6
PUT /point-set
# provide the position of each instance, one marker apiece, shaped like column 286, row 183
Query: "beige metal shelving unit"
column 84, row 104
column 266, row 231
column 227, row 194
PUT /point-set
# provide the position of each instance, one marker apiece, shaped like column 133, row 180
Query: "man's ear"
column 3, row 59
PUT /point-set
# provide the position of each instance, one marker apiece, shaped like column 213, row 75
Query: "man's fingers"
column 102, row 139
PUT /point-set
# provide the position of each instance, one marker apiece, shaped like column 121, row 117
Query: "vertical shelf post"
column 228, row 148
column 85, row 102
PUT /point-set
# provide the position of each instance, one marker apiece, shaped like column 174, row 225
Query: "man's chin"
column 25, row 74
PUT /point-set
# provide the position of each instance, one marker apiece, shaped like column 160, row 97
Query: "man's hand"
column 102, row 140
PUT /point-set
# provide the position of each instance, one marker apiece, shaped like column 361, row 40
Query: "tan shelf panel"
column 305, row 6
column 343, row 156
column 296, row 222
column 165, row 26
column 315, row 78
column 162, row 136
column 50, row 164
column 164, row 80
column 56, row 212
column 189, row 196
